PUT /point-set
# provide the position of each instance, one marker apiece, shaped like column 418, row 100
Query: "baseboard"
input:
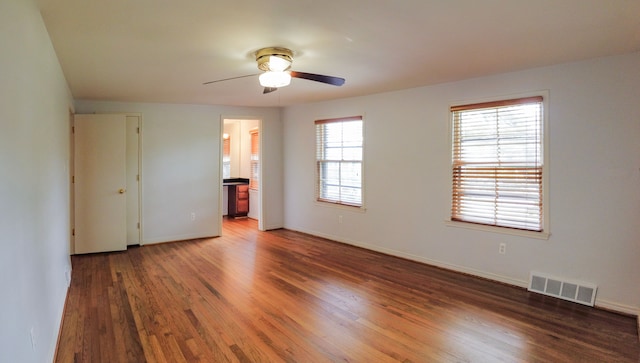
column 273, row 227
column 601, row 304
column 177, row 238
column 616, row 307
column 64, row 312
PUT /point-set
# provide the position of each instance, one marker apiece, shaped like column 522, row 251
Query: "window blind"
column 497, row 163
column 226, row 157
column 254, row 159
column 339, row 161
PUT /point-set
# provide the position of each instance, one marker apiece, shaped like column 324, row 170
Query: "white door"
column 100, row 183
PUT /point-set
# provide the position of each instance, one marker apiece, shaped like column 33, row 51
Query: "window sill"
column 353, row 208
column 514, row 232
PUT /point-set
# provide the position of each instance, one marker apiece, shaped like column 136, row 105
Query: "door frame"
column 72, row 189
column 72, row 177
column 261, row 207
column 139, row 175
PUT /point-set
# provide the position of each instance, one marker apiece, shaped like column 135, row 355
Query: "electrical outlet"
column 340, row 219
column 502, row 249
column 193, row 216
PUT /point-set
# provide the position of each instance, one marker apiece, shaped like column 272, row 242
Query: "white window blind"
column 339, row 161
column 254, row 161
column 498, row 163
column 226, row 157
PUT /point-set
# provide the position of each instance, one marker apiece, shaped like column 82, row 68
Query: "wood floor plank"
column 284, row 296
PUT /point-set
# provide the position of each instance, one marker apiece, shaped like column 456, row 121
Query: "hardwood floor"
column 283, row 296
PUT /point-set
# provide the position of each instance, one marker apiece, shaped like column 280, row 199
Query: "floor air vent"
column 578, row 292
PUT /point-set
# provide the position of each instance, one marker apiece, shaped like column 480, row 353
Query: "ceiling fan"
column 275, row 63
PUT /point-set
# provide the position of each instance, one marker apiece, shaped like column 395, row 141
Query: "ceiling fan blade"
column 228, row 79
column 336, row 81
column 269, row 90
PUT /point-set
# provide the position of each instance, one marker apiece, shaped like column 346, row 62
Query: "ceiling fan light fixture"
column 275, row 62
column 278, row 64
column 275, row 79
column 274, row 59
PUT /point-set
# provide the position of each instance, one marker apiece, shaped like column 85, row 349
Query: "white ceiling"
column 163, row 50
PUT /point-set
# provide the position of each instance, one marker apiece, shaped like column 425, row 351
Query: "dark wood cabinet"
column 238, row 200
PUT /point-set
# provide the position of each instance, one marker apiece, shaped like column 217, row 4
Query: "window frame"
column 545, row 232
column 330, row 202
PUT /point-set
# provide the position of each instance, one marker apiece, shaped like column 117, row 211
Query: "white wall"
column 594, row 149
column 34, row 186
column 181, row 166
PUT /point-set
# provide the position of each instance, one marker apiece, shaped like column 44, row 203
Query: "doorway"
column 240, row 160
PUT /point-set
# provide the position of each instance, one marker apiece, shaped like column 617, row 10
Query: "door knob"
column 121, row 191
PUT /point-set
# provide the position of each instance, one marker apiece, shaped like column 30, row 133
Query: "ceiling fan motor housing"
column 267, row 57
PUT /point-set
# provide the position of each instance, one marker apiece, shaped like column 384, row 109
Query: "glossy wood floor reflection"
column 283, row 296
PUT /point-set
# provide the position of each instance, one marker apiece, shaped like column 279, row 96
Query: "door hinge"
column 73, row 179
column 73, row 231
column 137, row 130
column 138, row 177
column 138, row 225
column 73, row 129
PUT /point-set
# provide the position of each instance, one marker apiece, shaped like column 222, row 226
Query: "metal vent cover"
column 578, row 292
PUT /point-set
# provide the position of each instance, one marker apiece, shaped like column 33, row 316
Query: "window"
column 226, row 156
column 254, row 161
column 498, row 163
column 339, row 161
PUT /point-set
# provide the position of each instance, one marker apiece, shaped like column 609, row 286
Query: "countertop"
column 235, row 181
